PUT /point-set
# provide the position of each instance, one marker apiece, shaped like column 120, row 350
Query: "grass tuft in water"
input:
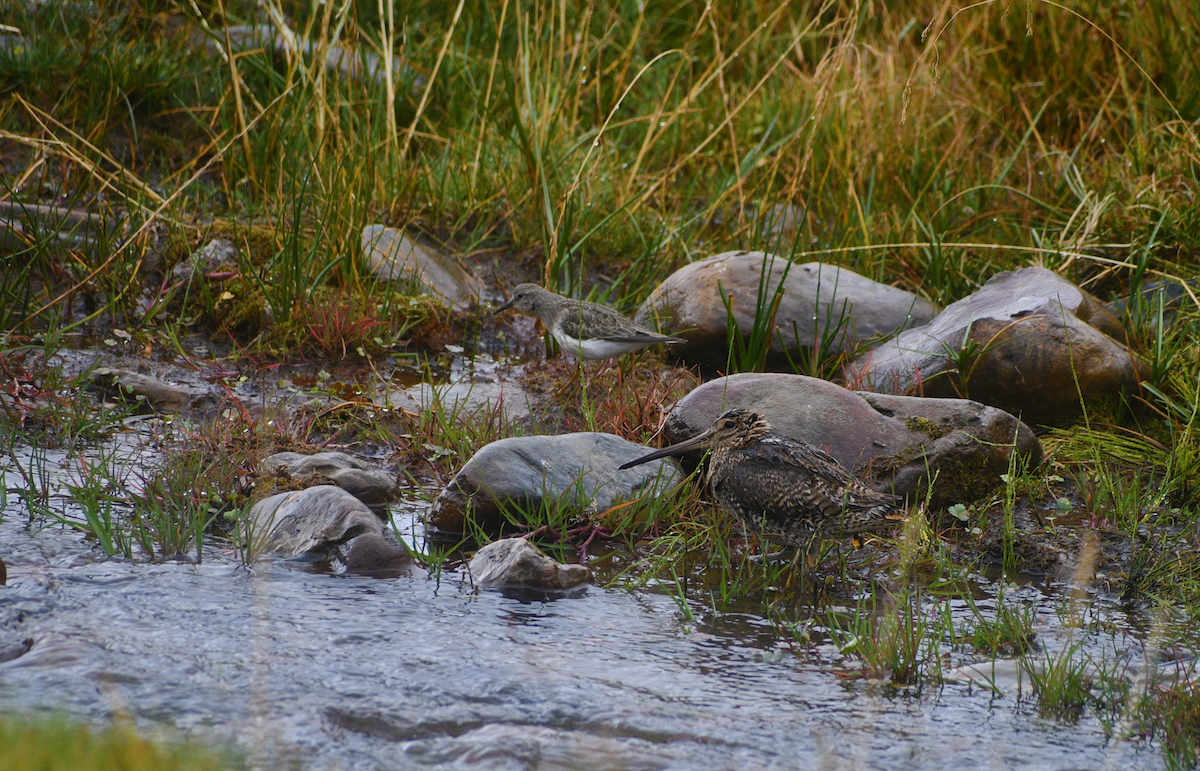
column 892, row 636
column 1172, row 715
column 1009, row 633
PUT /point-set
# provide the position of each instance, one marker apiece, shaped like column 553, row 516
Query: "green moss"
column 241, row 309
column 968, row 480
column 926, row 426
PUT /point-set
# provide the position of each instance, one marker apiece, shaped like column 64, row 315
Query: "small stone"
column 370, row 485
column 328, row 521
column 819, row 301
column 514, row 562
column 394, row 257
column 1151, row 297
column 217, row 253
column 378, row 554
column 579, row 471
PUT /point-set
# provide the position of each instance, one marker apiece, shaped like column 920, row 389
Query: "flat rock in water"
column 473, row 399
column 394, row 257
column 819, row 301
column 159, row 394
column 332, row 524
column 514, row 562
column 370, row 485
column 1029, row 342
column 526, row 473
column 894, row 443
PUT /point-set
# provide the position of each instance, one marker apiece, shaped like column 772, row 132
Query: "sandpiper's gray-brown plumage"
column 584, row 329
column 779, row 486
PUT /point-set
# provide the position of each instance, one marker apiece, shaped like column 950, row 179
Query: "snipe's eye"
column 728, row 424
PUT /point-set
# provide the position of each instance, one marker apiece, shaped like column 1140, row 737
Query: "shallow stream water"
column 299, row 668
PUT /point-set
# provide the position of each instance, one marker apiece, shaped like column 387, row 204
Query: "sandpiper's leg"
column 628, row 362
column 566, row 385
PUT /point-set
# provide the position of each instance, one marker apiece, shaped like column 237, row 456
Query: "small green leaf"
column 438, row 452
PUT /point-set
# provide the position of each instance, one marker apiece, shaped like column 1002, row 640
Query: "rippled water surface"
column 303, row 668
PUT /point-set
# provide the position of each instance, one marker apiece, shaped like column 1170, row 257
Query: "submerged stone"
column 1029, row 342
column 819, row 302
column 577, row 473
column 894, row 443
column 479, row 398
column 514, row 562
column 157, row 394
column 329, row 523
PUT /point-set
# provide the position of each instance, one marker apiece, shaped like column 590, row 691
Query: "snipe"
column 780, row 487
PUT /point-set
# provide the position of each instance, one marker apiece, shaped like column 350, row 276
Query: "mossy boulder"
column 894, row 443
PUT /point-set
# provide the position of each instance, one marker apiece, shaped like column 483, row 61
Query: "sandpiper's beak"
column 505, row 306
column 698, row 441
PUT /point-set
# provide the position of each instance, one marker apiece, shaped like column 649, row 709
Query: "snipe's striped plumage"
column 781, row 487
column 584, row 329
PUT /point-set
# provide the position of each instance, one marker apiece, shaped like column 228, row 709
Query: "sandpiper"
column 781, row 487
column 585, row 330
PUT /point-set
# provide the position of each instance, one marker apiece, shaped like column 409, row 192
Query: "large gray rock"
column 819, row 301
column 579, row 471
column 370, row 485
column 329, row 523
column 894, row 443
column 514, row 562
column 394, row 257
column 1029, row 342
